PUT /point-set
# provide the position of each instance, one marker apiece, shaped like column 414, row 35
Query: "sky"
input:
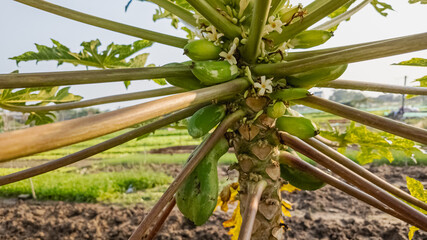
column 22, row 26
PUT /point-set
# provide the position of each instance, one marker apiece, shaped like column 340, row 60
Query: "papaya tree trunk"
column 258, row 160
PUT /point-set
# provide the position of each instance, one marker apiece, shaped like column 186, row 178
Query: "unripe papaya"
column 290, row 94
column 310, row 78
column 201, row 50
column 214, row 72
column 197, row 196
column 205, row 119
column 311, row 38
column 298, row 126
column 300, row 179
column 276, row 110
column 190, row 83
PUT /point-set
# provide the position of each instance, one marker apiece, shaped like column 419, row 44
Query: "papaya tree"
column 239, row 89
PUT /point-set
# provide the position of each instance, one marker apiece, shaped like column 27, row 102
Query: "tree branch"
column 46, row 137
column 295, row 162
column 107, row 24
column 343, row 160
column 337, row 20
column 215, row 18
column 180, row 12
column 391, row 47
column 161, row 220
column 193, row 161
column 251, row 211
column 377, row 87
column 44, row 79
column 356, row 180
column 93, row 150
column 369, row 119
column 259, row 18
column 96, row 101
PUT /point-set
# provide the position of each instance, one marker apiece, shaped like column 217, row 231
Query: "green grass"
column 69, row 185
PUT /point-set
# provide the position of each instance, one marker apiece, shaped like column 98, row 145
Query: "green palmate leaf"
column 381, row 7
column 372, row 145
column 420, row 62
column 37, row 96
column 423, row 81
column 113, row 57
column 416, row 189
column 162, row 13
column 41, row 118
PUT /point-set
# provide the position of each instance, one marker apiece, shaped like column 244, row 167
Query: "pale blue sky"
column 22, row 26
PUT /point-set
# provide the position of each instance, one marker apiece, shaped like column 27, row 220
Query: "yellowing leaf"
column 285, row 207
column 412, row 231
column 236, row 222
column 289, row 188
column 227, row 195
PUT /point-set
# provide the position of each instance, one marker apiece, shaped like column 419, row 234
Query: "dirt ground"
column 323, row 214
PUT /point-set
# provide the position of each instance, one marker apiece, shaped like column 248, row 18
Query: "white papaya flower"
column 265, row 86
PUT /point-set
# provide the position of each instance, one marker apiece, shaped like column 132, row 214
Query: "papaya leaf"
column 422, row 80
column 38, row 96
column 236, row 222
column 372, row 145
column 114, row 56
column 412, row 231
column 41, row 118
column 416, row 189
column 420, row 62
column 381, row 7
column 342, row 9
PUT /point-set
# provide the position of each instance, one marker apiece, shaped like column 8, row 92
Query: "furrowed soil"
column 323, row 214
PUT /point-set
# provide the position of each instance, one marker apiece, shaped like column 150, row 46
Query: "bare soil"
column 323, row 214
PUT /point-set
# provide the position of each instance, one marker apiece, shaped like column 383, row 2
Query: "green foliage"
column 381, row 7
column 67, row 184
column 113, row 57
column 417, row 190
column 416, row 1
column 420, row 62
column 422, row 80
column 373, row 145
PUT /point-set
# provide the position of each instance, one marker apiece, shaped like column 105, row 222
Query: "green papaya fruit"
column 298, row 126
column 201, row 50
column 276, row 110
column 190, row 83
column 205, row 119
column 310, row 38
column 310, row 78
column 301, row 179
column 214, row 72
column 197, row 196
column 290, row 94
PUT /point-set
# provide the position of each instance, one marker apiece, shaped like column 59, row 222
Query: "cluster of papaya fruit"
column 197, row 197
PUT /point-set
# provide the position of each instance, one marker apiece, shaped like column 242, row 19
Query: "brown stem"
column 327, row 141
column 385, row 124
column 361, row 183
column 96, row 101
column 186, row 171
column 51, row 136
column 45, row 79
column 161, row 220
column 377, row 87
column 93, row 150
column 343, row 160
column 251, row 210
column 294, row 161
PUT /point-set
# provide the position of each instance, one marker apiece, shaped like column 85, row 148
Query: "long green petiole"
column 180, row 12
column 95, row 149
column 107, row 24
column 96, row 101
column 369, row 119
column 377, row 87
column 51, row 136
column 215, row 18
column 375, row 50
column 292, row 30
column 44, row 79
column 259, row 18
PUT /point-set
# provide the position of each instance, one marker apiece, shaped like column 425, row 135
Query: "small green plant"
column 249, row 63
